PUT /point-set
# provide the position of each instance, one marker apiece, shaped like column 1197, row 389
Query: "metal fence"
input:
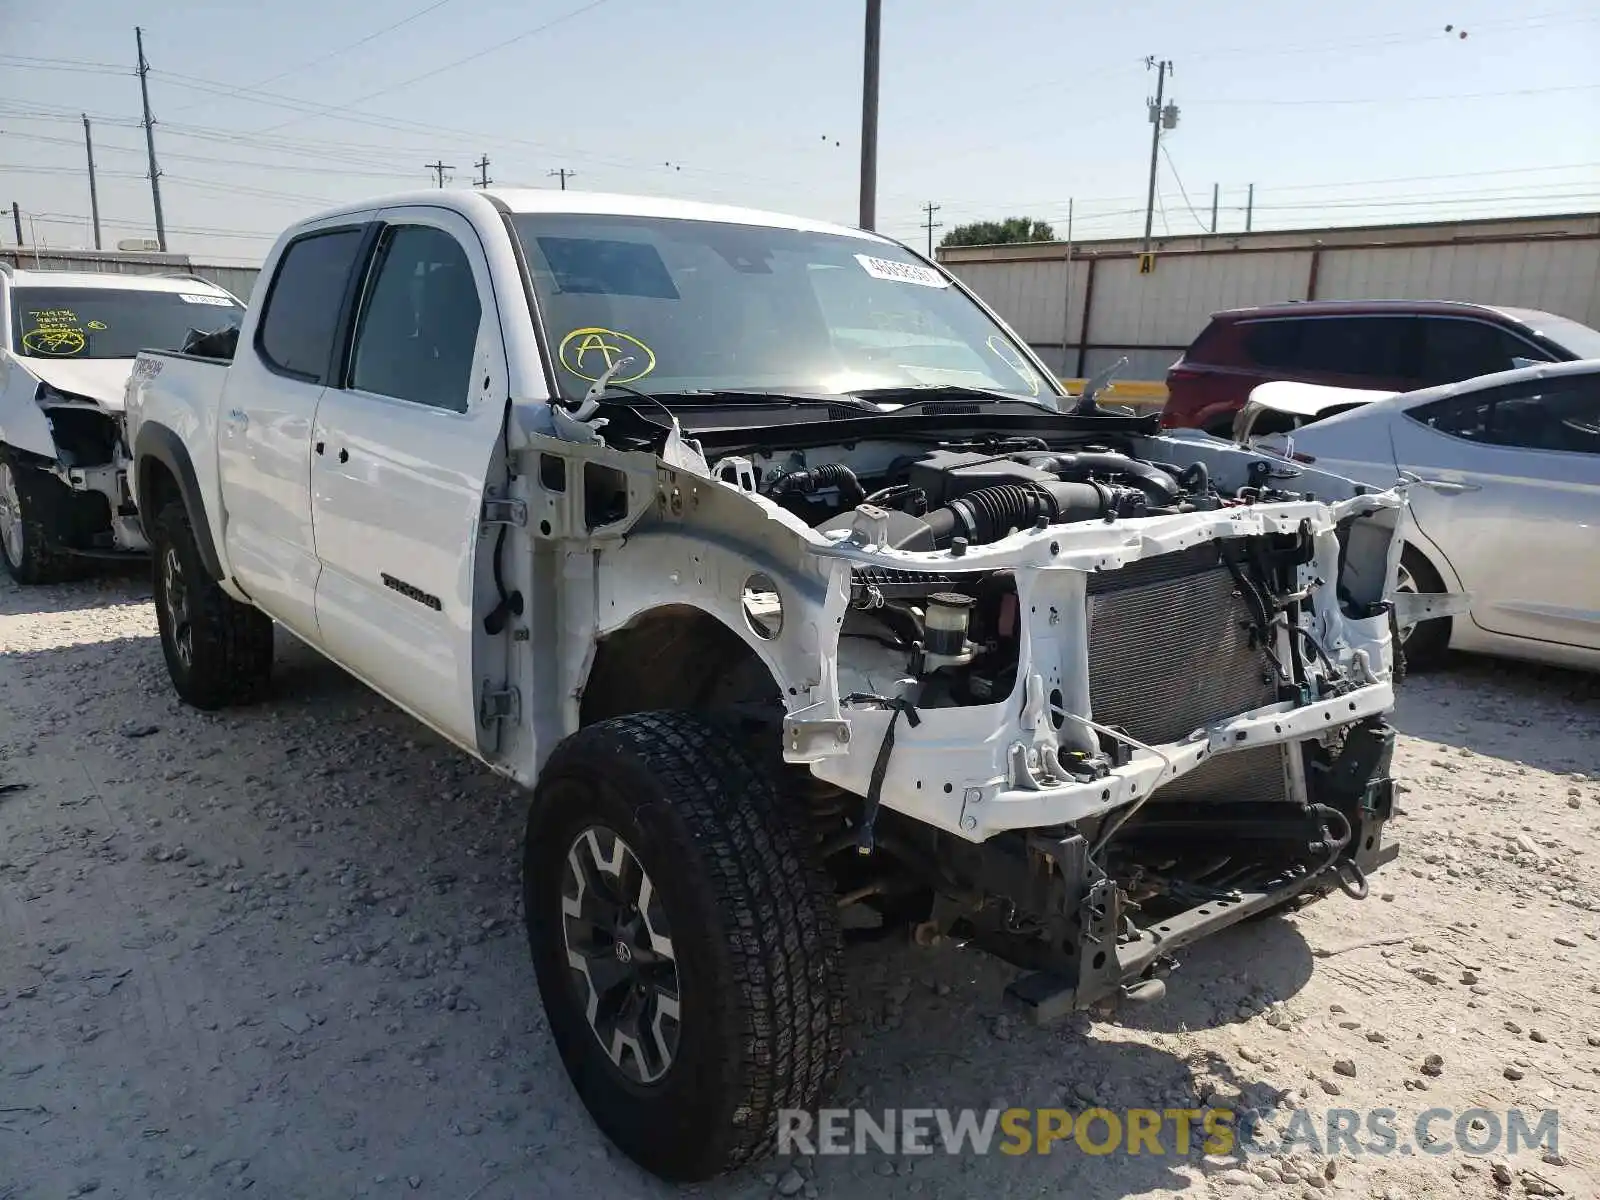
column 1084, row 306
column 238, row 280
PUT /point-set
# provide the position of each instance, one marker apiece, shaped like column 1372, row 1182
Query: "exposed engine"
column 950, row 498
column 953, row 636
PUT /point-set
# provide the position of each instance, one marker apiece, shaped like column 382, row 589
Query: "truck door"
column 270, row 395
column 402, row 449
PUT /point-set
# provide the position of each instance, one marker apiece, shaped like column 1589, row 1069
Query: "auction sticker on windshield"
column 899, row 272
column 219, row 301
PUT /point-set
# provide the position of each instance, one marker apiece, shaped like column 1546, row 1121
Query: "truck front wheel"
column 685, row 940
column 218, row 651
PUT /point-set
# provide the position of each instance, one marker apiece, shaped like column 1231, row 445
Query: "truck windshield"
column 705, row 305
column 50, row 322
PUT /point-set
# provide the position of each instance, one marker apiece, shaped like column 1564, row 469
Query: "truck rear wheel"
column 218, row 651
column 685, row 940
column 30, row 500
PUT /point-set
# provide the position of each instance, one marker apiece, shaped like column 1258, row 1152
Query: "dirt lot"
column 279, row 951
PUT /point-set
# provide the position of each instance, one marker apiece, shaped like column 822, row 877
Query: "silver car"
column 1506, row 505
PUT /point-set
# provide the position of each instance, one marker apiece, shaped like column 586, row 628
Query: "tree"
column 995, row 233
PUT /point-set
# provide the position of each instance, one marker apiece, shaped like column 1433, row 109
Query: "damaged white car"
column 67, row 345
column 790, row 582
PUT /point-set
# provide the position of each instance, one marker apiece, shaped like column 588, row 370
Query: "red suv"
column 1387, row 345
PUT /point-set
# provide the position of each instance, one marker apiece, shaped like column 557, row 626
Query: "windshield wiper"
column 913, row 392
column 718, row 397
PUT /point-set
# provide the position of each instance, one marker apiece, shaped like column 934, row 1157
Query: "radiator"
column 1169, row 651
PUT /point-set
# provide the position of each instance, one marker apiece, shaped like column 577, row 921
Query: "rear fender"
column 157, row 447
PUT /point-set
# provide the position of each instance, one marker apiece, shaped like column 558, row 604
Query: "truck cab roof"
column 547, row 200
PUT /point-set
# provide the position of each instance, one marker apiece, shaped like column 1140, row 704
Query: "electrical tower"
column 1162, row 116
column 483, row 179
column 930, row 224
column 563, row 174
column 439, row 168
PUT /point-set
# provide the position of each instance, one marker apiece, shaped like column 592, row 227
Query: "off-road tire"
column 41, row 500
column 230, row 656
column 1428, row 646
column 753, row 923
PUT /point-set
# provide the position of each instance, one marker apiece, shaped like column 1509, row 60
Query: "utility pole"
column 1161, row 117
column 930, row 224
column 439, row 168
column 1066, row 299
column 869, row 116
column 563, row 174
column 483, row 179
column 150, row 141
column 16, row 219
column 1216, row 194
column 94, row 199
column 1250, row 208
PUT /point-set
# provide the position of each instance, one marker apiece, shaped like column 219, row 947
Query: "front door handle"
column 344, row 456
column 1450, row 487
column 238, row 418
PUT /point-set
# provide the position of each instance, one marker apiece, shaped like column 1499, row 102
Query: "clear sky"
column 1344, row 113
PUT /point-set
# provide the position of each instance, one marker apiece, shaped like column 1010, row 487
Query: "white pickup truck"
column 789, row 581
column 67, row 343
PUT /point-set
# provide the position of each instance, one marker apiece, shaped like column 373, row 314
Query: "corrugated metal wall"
column 1545, row 263
column 238, row 280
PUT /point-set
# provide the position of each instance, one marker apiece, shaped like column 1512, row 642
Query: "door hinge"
column 499, row 704
column 497, row 511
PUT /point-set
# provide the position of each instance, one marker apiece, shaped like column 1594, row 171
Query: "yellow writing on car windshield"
column 593, row 350
column 55, row 332
column 1008, row 354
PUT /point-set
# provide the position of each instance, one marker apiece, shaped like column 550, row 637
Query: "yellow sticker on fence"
column 593, row 350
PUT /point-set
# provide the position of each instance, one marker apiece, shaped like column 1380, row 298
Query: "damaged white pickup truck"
column 790, row 582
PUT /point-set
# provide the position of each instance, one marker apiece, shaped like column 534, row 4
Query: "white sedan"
column 1506, row 506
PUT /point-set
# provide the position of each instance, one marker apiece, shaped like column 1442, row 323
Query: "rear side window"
column 1453, row 349
column 303, row 303
column 1547, row 414
column 1368, row 346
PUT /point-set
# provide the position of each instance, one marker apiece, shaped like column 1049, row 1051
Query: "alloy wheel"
column 619, row 953
column 11, row 531
column 175, row 601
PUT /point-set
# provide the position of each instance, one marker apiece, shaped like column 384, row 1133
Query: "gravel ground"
column 279, row 950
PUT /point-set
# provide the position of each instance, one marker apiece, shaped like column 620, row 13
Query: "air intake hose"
column 990, row 513
column 816, row 479
column 1159, row 486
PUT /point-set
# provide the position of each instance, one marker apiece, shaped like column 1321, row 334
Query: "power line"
column 1173, row 167
column 439, row 168
column 1450, row 96
column 449, row 66
column 340, row 51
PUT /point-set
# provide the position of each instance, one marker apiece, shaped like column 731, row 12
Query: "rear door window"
column 1452, row 349
column 1367, row 346
column 1371, row 347
column 302, row 307
column 1560, row 414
